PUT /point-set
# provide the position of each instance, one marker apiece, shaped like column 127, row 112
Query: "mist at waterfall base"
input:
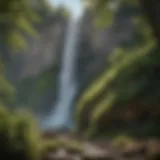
column 62, row 115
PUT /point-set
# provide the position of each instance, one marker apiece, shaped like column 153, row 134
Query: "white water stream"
column 61, row 115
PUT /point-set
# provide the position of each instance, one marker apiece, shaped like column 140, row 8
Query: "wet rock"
column 61, row 154
column 134, row 150
column 49, row 134
column 93, row 152
column 98, row 157
column 73, row 151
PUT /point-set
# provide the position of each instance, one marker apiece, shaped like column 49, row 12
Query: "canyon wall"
column 93, row 59
column 34, row 72
column 96, row 44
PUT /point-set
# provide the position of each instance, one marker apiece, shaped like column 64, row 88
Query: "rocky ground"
column 148, row 149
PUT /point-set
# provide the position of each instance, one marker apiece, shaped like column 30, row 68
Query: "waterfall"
column 61, row 117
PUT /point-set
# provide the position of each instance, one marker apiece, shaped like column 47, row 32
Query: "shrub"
column 53, row 145
column 122, row 140
column 19, row 136
column 74, row 147
column 50, row 146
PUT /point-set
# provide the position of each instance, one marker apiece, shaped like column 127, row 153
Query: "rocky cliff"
column 100, row 45
column 97, row 43
column 124, row 98
column 34, row 71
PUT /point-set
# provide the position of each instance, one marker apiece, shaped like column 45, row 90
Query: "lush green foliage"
column 7, row 92
column 132, row 77
column 19, row 136
column 105, row 10
column 21, row 139
column 16, row 19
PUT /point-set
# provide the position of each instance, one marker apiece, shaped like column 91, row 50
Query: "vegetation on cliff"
column 106, row 9
column 7, row 92
column 16, row 19
column 21, row 21
column 127, row 93
column 19, row 136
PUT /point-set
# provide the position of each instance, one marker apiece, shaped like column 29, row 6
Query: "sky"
column 74, row 5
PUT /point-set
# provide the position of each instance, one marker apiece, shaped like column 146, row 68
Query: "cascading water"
column 61, row 117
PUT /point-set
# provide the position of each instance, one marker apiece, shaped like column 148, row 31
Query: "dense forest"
column 123, row 100
column 125, row 97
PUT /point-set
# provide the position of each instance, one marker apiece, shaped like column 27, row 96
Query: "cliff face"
column 96, row 44
column 34, row 71
column 99, row 45
column 42, row 52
